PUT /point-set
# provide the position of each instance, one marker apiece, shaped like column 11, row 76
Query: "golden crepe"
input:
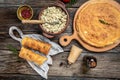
column 31, row 56
column 36, row 45
column 98, row 23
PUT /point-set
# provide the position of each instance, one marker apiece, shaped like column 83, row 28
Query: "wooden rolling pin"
column 38, row 22
column 33, row 21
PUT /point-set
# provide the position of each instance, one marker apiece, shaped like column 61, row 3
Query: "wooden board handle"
column 66, row 39
column 32, row 21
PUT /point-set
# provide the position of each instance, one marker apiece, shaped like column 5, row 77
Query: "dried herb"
column 13, row 49
column 15, row 52
column 61, row 64
column 69, row 1
column 84, row 68
column 103, row 22
column 73, row 1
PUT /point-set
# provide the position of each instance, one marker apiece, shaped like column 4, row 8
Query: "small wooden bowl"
column 19, row 11
column 49, row 34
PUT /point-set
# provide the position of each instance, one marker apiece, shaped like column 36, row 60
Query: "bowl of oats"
column 56, row 20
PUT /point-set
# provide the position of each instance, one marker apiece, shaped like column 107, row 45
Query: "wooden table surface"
column 14, row 68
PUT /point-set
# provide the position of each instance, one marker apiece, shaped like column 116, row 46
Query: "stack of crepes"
column 98, row 23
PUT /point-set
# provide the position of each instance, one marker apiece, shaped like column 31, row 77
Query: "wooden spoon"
column 38, row 22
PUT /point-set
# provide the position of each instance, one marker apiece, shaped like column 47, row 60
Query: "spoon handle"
column 32, row 21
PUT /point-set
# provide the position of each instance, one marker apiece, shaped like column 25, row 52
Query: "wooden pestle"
column 33, row 21
column 38, row 22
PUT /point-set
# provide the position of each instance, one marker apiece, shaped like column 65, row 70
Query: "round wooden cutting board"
column 66, row 39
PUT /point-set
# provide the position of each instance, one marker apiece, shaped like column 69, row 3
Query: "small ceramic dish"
column 24, row 12
column 52, row 34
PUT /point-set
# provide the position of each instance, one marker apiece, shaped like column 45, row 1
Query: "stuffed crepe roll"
column 36, row 45
column 31, row 56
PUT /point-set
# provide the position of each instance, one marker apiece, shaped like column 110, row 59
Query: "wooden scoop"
column 38, row 22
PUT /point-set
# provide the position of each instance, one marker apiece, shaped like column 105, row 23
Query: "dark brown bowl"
column 62, row 6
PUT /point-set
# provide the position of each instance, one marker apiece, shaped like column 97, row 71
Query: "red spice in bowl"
column 24, row 12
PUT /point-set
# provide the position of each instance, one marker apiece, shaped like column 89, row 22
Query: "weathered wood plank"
column 108, row 63
column 36, row 77
column 36, row 3
column 39, row 3
column 33, row 3
column 80, row 2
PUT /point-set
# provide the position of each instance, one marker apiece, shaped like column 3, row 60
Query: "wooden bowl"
column 49, row 34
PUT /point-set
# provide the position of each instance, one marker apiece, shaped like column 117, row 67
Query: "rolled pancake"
column 32, row 56
column 98, row 22
column 36, row 45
